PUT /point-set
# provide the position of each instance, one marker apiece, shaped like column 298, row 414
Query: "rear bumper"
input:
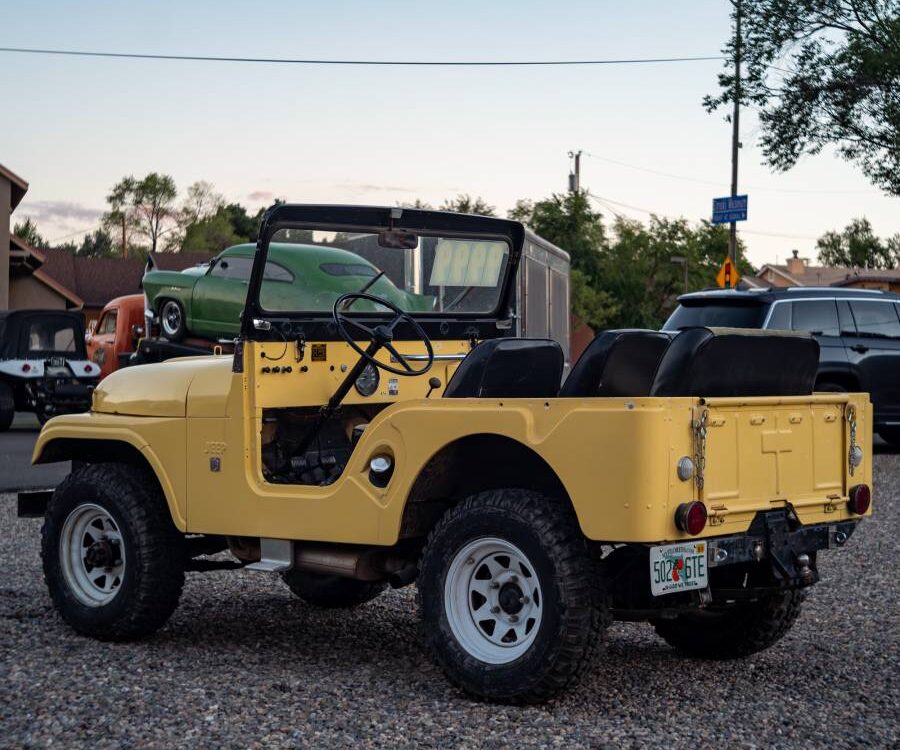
column 776, row 537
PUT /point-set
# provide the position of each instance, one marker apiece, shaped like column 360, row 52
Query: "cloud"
column 261, row 196
column 383, row 188
column 59, row 212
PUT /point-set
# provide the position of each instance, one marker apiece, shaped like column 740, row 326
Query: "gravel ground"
column 242, row 664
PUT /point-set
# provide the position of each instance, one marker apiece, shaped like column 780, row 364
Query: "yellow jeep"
column 687, row 480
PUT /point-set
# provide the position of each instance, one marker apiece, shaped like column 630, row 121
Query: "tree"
column 822, row 72
column 466, row 204
column 858, row 247
column 417, row 203
column 212, row 234
column 201, row 202
column 27, row 231
column 567, row 220
column 145, row 206
column 98, row 244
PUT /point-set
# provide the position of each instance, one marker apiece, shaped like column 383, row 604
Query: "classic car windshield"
column 427, row 274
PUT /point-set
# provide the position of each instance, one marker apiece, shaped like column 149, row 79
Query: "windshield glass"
column 43, row 336
column 426, row 274
column 715, row 315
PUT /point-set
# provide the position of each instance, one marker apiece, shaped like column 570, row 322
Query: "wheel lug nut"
column 495, row 585
column 525, row 600
column 513, row 618
column 495, row 610
column 514, row 579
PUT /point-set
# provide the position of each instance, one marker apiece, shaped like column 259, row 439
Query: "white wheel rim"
column 92, row 555
column 493, row 600
column 171, row 317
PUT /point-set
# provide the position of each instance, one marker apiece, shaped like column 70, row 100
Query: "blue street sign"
column 728, row 209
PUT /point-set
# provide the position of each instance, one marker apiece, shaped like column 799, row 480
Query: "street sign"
column 728, row 209
column 728, row 275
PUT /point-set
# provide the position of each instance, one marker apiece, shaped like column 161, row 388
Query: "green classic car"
column 207, row 300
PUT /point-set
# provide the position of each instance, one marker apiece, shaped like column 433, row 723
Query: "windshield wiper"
column 365, row 288
column 459, row 298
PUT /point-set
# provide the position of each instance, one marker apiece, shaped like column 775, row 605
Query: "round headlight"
column 367, row 382
column 685, row 468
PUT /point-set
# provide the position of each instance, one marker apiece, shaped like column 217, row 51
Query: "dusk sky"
column 74, row 126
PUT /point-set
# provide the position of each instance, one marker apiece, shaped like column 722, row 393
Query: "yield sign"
column 728, row 275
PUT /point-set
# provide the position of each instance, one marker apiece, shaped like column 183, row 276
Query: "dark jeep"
column 44, row 367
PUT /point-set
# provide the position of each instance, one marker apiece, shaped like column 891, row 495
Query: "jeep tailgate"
column 765, row 453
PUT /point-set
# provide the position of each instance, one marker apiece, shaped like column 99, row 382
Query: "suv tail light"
column 860, row 499
column 691, row 517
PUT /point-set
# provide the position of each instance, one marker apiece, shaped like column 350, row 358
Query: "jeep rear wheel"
column 7, row 407
column 510, row 599
column 113, row 560
column 331, row 592
column 736, row 631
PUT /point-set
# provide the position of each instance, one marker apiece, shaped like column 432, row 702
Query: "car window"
column 780, row 319
column 876, row 318
column 816, row 316
column 49, row 335
column 233, row 268
column 725, row 315
column 848, row 326
column 108, row 322
column 276, row 272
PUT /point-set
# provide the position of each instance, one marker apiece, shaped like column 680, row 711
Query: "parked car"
column 207, row 300
column 858, row 331
column 43, row 364
column 115, row 334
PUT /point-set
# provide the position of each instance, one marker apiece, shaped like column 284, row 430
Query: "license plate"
column 57, row 361
column 678, row 567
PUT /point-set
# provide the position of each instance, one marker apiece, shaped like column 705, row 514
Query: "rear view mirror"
column 397, row 239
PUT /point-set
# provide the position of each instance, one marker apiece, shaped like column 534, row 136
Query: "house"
column 55, row 279
column 798, row 272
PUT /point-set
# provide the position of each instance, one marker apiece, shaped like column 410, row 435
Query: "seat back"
column 508, row 368
column 617, row 363
column 737, row 362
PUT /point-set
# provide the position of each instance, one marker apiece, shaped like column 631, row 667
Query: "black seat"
column 617, row 363
column 508, row 368
column 737, row 362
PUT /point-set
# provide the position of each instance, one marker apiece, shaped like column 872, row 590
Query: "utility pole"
column 575, row 177
column 124, row 238
column 735, row 127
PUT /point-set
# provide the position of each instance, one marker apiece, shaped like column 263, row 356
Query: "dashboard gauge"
column 367, row 382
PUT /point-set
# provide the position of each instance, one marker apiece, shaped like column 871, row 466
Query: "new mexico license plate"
column 678, row 567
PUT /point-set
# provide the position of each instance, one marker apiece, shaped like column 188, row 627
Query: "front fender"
column 95, row 438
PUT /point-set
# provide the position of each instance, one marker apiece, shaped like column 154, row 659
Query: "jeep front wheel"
column 733, row 631
column 331, row 592
column 509, row 595
column 113, row 560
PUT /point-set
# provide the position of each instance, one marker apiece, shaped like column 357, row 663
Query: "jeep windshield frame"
column 319, row 325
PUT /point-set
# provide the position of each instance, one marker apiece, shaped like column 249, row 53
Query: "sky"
column 72, row 127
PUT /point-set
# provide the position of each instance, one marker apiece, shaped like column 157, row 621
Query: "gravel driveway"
column 242, row 664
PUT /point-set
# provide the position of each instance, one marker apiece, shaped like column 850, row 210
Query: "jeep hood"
column 162, row 390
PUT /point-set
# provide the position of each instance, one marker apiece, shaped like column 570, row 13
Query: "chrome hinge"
column 699, row 427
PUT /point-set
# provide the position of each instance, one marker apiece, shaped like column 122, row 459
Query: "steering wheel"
column 381, row 335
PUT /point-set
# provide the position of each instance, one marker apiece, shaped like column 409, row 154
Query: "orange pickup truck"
column 116, row 332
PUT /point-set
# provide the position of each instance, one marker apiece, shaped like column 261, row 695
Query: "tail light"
column 860, row 499
column 88, row 368
column 26, row 367
column 691, row 517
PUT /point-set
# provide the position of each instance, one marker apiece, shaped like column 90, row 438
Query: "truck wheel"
column 7, row 407
column 113, row 560
column 510, row 599
column 736, row 631
column 171, row 320
column 331, row 592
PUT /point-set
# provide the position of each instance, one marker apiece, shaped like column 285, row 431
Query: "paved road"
column 243, row 664
column 16, row 471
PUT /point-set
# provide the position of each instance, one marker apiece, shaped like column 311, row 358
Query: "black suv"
column 858, row 331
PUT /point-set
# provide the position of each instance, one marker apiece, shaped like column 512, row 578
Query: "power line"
column 721, row 183
column 292, row 61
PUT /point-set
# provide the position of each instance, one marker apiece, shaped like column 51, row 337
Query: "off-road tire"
column 153, row 549
column 575, row 614
column 7, row 407
column 331, row 592
column 736, row 632
column 890, row 435
column 177, row 333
